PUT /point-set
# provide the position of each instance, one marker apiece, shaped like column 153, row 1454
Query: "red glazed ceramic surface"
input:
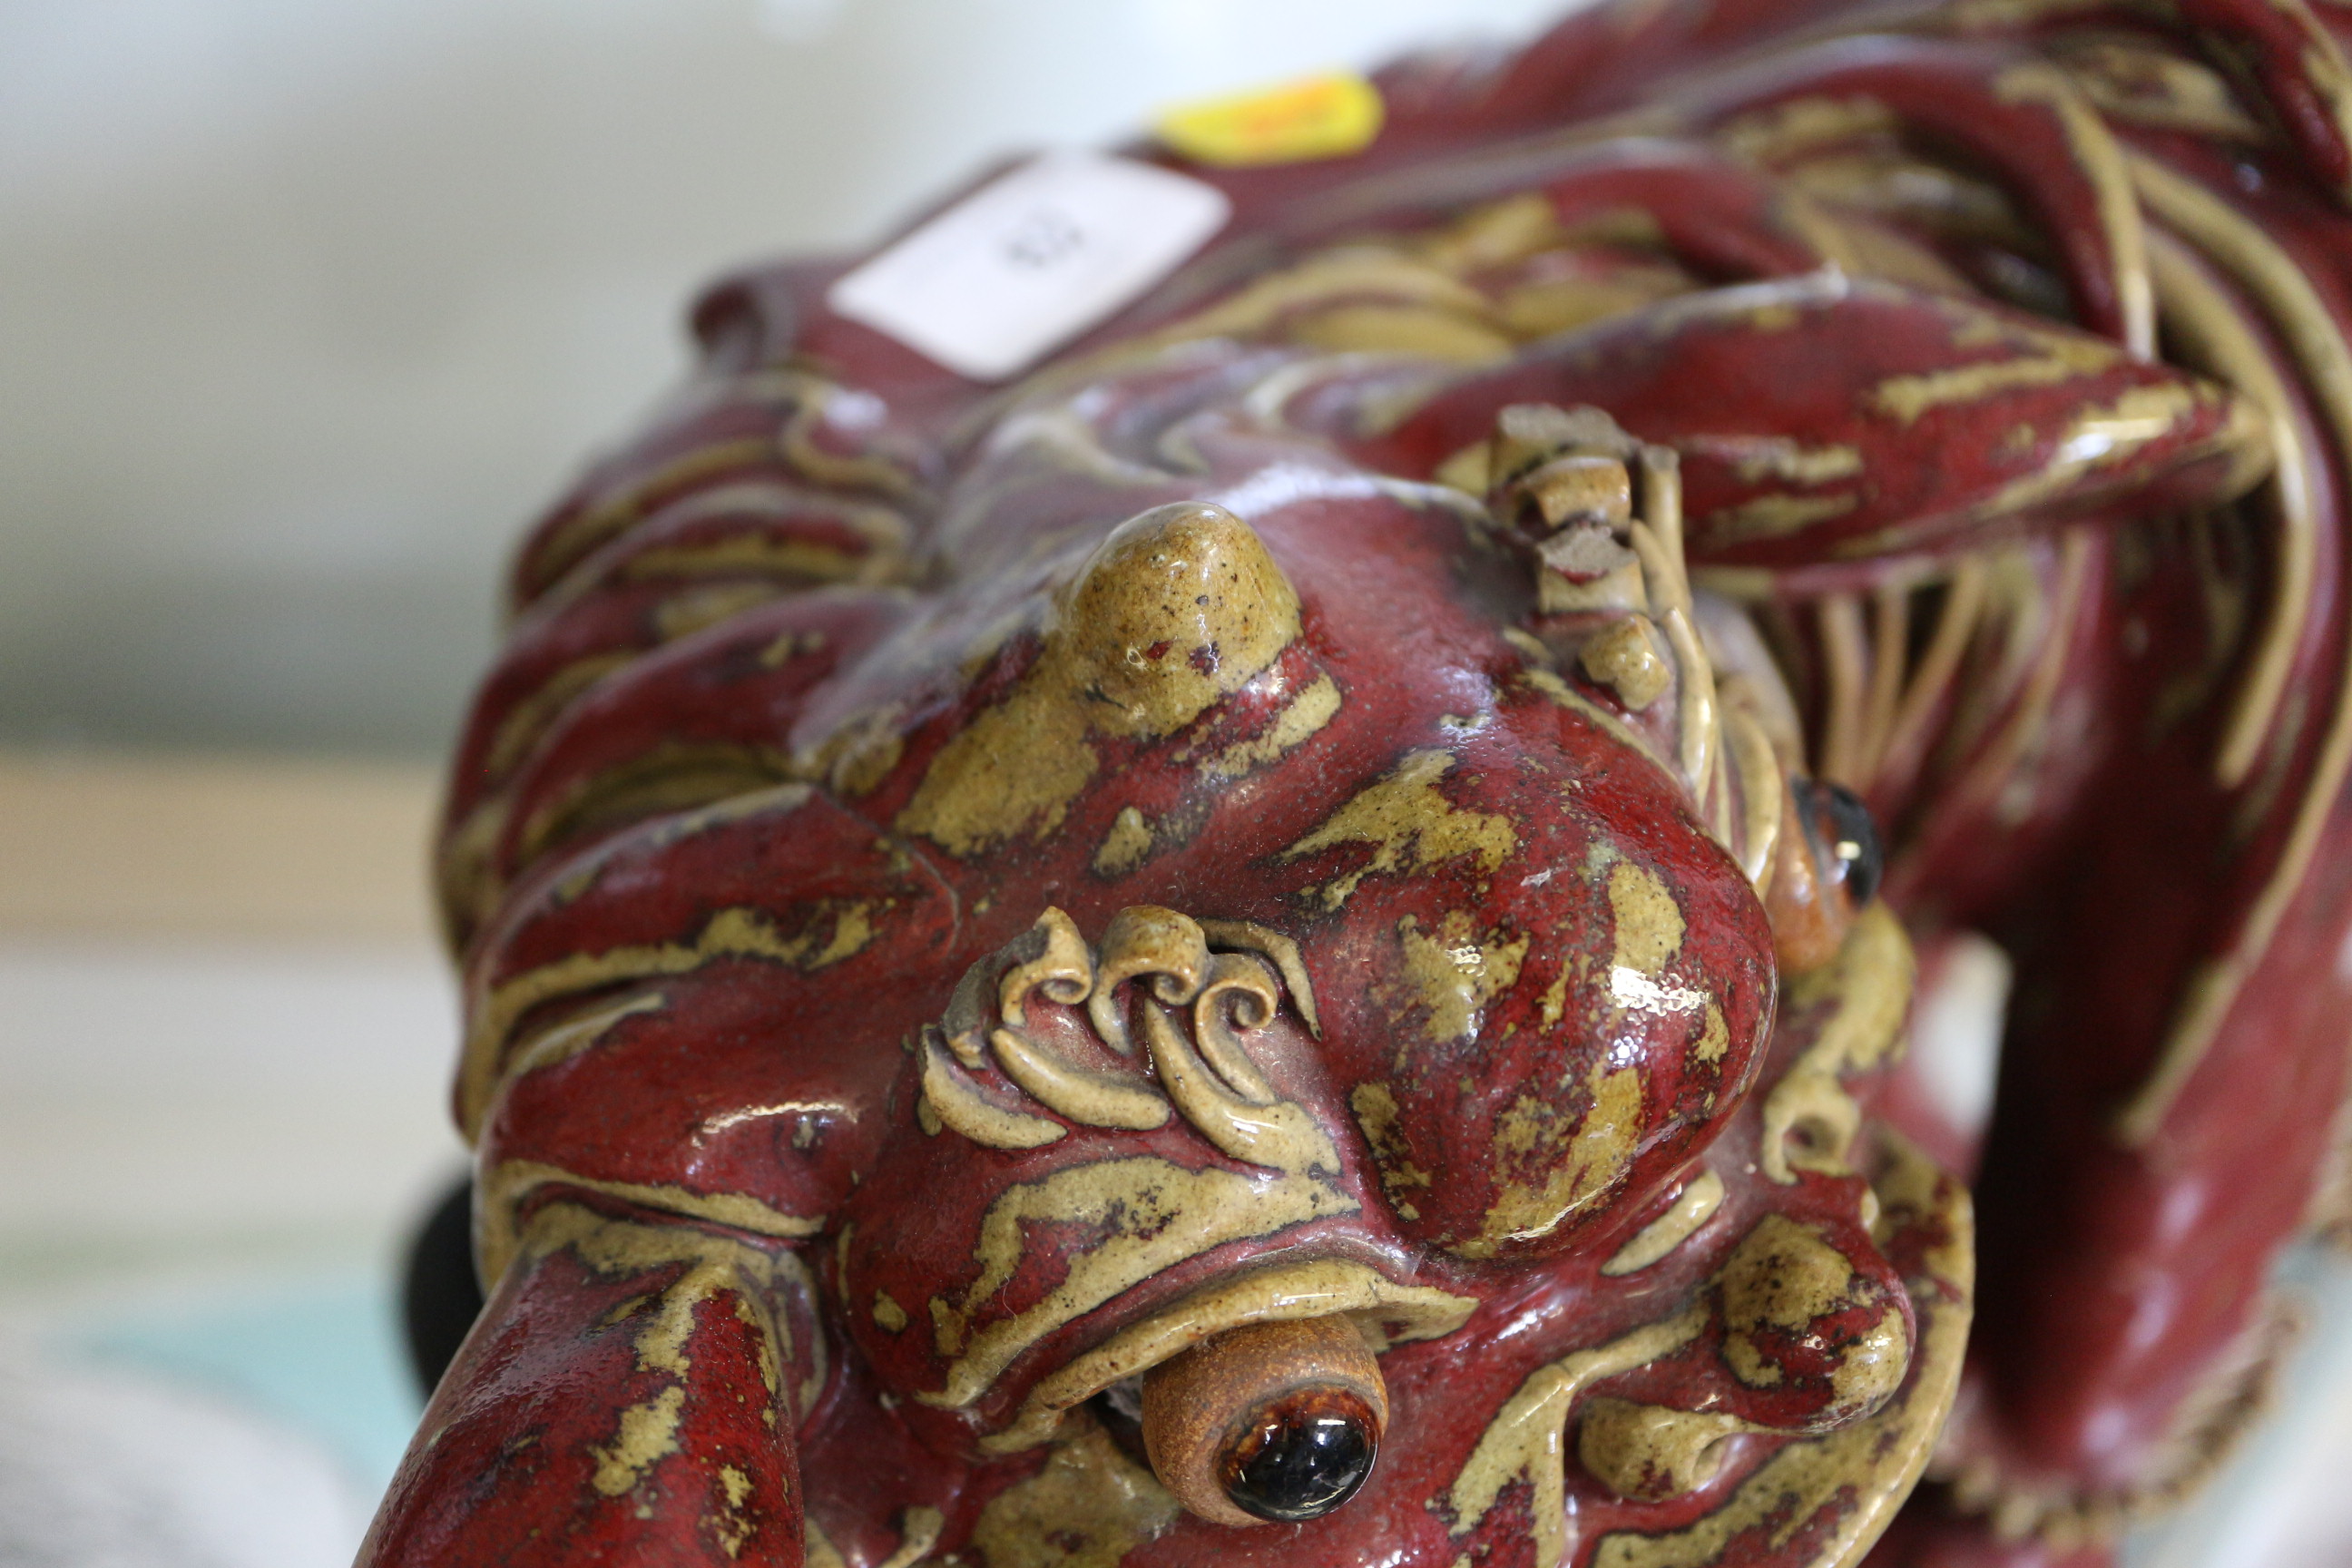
column 982, row 903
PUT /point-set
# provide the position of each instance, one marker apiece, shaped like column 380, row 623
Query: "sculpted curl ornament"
column 1265, row 945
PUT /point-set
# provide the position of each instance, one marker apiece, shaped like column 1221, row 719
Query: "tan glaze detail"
column 2132, row 82
column 1367, row 274
column 1299, row 720
column 728, row 1524
column 647, row 1431
column 1193, row 1401
column 528, row 719
column 1787, row 131
column 1771, row 516
column 819, row 1548
column 562, row 1042
column 1626, row 658
column 1175, row 592
column 1779, row 458
column 919, row 1531
column 2048, row 359
column 1809, row 1118
column 1587, row 567
column 1240, row 993
column 2028, row 727
column 1693, row 1209
column 736, row 932
column 1782, row 1275
column 584, row 532
column 2101, row 437
column 857, row 756
column 1125, row 846
column 1890, row 645
column 1647, row 924
column 951, row 1101
column 1657, row 539
column 1089, row 1099
column 1845, row 664
column 811, row 395
column 1454, row 973
column 795, row 562
column 808, row 395
column 1568, row 697
column 1210, row 1080
column 1062, row 972
column 1586, row 570
column 1384, row 1313
column 1168, row 950
column 1590, row 490
column 1468, row 470
column 1714, row 1037
column 1425, row 330
column 2098, row 157
column 1964, row 599
column 1247, row 936
column 1363, row 274
column 2311, row 335
column 1763, row 789
column 1567, row 1174
column 1153, row 1214
column 1525, row 1437
column 2203, row 329
column 1874, row 1461
column 467, row 891
column 1649, row 1452
column 691, row 610
column 1088, row 1508
column 1887, row 183
column 1282, row 1136
column 1375, row 1109
column 662, row 779
column 501, row 1193
column 1873, row 1365
column 1410, row 826
column 1541, row 308
column 1496, row 233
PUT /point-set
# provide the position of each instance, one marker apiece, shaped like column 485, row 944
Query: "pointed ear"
column 1825, row 419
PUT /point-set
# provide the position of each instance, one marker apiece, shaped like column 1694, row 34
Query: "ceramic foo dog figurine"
column 1261, row 942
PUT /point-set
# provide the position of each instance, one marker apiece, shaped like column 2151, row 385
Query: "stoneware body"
column 1311, row 807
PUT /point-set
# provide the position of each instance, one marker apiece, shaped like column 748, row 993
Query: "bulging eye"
column 1300, row 1456
column 1849, row 839
column 1267, row 1423
column 1828, row 867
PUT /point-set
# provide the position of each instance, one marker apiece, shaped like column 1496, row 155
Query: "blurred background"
column 304, row 308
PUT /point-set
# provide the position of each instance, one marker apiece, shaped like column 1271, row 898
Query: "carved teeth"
column 1529, row 434
column 1582, row 487
column 1626, row 658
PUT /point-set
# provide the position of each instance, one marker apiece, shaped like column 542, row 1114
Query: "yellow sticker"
column 1316, row 117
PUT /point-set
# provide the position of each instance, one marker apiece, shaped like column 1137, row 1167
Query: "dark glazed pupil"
column 1854, row 840
column 1851, row 840
column 1301, row 1457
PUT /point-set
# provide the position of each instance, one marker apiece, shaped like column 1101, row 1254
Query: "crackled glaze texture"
column 1313, row 806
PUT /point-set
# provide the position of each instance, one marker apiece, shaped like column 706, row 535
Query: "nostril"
column 1267, row 1422
column 1118, row 1411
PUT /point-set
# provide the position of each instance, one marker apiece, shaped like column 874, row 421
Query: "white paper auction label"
column 1032, row 260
